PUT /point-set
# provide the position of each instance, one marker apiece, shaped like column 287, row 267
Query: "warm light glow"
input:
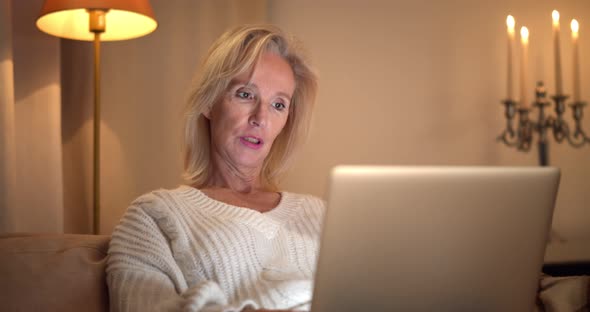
column 73, row 24
column 510, row 22
column 575, row 28
column 555, row 16
column 524, row 34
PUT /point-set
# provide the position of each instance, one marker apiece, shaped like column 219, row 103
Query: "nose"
column 259, row 115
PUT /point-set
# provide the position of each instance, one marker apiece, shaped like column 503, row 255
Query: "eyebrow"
column 234, row 82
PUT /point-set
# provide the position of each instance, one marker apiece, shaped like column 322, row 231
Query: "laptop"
column 434, row 238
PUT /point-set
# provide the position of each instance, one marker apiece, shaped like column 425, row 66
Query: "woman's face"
column 245, row 123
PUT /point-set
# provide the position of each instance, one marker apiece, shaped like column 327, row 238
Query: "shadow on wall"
column 77, row 117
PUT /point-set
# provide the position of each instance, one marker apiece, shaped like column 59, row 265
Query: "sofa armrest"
column 53, row 272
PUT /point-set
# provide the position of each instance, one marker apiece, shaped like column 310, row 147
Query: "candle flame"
column 510, row 22
column 555, row 16
column 524, row 34
column 575, row 26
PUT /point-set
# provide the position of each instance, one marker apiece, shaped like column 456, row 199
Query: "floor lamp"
column 92, row 20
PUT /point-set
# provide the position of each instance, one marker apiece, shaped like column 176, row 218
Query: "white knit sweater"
column 180, row 250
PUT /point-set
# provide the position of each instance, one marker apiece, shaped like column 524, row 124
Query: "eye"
column 244, row 94
column 279, row 106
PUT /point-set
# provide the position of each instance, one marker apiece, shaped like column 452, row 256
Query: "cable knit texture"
column 180, row 250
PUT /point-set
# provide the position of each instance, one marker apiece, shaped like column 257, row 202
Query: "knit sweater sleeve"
column 143, row 269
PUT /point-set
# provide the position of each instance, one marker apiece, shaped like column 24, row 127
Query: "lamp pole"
column 97, row 25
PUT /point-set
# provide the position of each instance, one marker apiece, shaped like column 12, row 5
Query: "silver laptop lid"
column 434, row 238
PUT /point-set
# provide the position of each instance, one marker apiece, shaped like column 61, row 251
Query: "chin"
column 251, row 163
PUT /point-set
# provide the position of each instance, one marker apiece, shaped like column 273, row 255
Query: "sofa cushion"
column 53, row 272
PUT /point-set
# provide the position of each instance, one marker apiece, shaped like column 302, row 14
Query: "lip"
column 250, row 144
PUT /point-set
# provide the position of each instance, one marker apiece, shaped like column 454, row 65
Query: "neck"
column 241, row 180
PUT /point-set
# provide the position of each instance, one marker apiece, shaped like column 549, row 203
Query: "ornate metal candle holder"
column 522, row 136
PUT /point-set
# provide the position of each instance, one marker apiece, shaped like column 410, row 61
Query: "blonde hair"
column 234, row 53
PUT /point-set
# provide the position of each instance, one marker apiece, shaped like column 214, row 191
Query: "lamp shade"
column 125, row 19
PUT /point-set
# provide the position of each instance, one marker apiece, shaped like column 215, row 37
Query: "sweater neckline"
column 268, row 222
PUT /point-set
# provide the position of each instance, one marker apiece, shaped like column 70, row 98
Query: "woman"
column 228, row 240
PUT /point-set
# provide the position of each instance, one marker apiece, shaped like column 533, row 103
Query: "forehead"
column 270, row 72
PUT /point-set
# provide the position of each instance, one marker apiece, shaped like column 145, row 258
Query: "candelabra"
column 522, row 136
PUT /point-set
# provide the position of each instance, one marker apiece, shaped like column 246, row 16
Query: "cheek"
column 225, row 121
column 279, row 126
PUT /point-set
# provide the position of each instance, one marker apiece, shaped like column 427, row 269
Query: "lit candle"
column 557, row 53
column 510, row 24
column 524, row 40
column 576, row 71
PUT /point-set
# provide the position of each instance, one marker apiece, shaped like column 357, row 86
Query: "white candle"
column 524, row 60
column 557, row 52
column 575, row 28
column 510, row 25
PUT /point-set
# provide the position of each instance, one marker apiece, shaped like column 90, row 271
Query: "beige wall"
column 402, row 82
column 36, row 198
column 420, row 83
column 7, row 127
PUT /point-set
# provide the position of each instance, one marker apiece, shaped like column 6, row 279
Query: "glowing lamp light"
column 124, row 19
column 510, row 22
column 524, row 34
column 575, row 28
column 555, row 17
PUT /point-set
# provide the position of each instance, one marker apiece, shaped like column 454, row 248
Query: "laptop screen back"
column 434, row 238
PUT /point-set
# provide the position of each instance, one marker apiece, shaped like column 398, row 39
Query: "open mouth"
column 252, row 140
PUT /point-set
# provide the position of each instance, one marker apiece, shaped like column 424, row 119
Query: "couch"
column 66, row 272
column 53, row 272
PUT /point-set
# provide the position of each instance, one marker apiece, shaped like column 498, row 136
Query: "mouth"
column 252, row 141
